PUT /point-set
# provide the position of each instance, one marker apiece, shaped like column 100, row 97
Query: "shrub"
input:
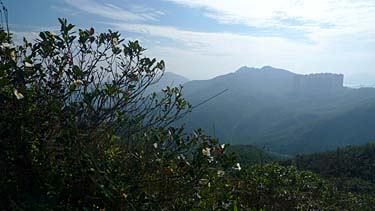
column 77, row 132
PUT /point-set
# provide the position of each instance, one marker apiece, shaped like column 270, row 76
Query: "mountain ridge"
column 262, row 107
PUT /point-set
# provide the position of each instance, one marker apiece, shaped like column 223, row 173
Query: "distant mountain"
column 168, row 79
column 283, row 111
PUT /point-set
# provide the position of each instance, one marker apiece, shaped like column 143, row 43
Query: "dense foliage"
column 351, row 162
column 77, row 132
column 350, row 169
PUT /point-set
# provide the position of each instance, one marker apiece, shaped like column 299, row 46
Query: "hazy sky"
column 201, row 39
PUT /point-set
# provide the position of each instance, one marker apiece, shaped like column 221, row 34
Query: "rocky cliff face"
column 318, row 83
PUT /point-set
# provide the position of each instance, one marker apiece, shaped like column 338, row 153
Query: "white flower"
column 155, row 145
column 5, row 45
column 210, row 159
column 18, row 95
column 13, row 55
column 206, row 152
column 27, row 64
column 203, row 181
column 115, row 41
column 222, row 146
column 124, row 195
column 183, row 157
column 225, row 205
column 220, row 173
column 237, row 167
column 78, row 82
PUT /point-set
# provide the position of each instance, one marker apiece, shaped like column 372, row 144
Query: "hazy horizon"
column 352, row 82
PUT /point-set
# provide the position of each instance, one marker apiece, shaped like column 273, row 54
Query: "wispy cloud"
column 205, row 41
column 18, row 36
column 111, row 11
column 343, row 17
column 223, row 51
column 32, row 34
column 339, row 33
column 64, row 10
column 214, row 53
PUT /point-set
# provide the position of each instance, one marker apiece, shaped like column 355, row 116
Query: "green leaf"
column 72, row 87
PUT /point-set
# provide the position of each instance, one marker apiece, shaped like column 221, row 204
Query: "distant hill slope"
column 350, row 161
column 270, row 107
column 250, row 155
column 351, row 168
column 168, row 79
column 354, row 127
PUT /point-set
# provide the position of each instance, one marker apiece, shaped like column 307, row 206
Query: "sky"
column 201, row 39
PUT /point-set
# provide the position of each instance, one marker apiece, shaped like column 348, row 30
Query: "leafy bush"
column 274, row 187
column 77, row 131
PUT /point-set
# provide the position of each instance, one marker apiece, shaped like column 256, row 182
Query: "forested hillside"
column 249, row 155
column 351, row 168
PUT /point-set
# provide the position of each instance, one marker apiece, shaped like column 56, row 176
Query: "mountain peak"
column 268, row 68
column 246, row 68
column 264, row 69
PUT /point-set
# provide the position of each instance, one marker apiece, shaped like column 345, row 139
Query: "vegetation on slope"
column 349, row 162
column 250, row 155
column 350, row 169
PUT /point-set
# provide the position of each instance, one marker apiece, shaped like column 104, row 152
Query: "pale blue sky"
column 201, row 39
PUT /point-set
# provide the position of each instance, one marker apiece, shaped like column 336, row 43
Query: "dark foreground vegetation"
column 77, row 132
